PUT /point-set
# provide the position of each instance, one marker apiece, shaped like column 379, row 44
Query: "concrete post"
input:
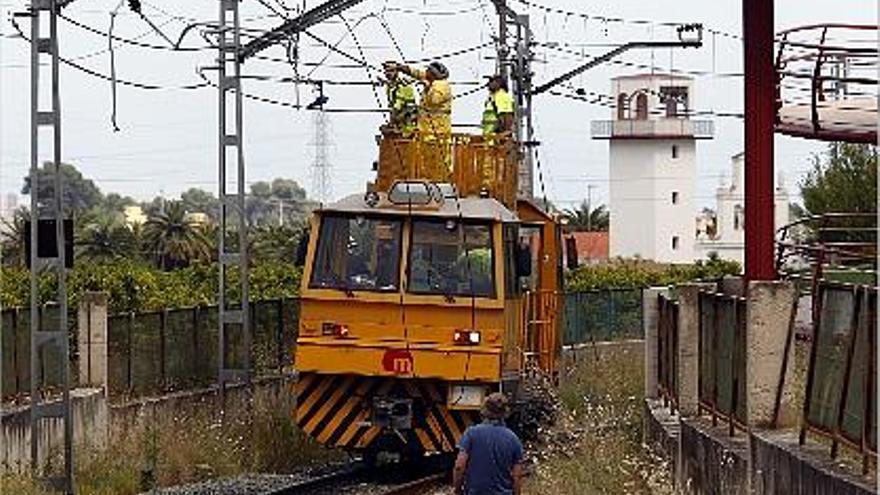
column 649, row 322
column 732, row 285
column 689, row 347
column 92, row 339
column 769, row 306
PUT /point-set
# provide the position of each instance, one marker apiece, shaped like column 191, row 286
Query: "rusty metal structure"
column 722, row 344
column 826, row 82
column 667, row 351
column 834, row 258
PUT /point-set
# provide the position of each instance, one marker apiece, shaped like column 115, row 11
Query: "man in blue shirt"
column 489, row 454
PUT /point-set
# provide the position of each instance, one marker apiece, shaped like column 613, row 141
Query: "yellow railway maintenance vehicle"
column 420, row 297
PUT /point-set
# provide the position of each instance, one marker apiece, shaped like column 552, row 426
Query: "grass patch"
column 158, row 450
column 597, row 446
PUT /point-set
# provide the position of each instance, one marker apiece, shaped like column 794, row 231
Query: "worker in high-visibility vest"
column 497, row 125
column 402, row 106
column 498, row 111
column 434, row 120
column 435, row 107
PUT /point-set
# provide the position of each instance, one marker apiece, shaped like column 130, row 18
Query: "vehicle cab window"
column 451, row 258
column 357, row 253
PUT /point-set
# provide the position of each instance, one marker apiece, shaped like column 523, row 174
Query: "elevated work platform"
column 475, row 166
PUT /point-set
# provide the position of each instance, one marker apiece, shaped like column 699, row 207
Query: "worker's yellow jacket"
column 435, row 108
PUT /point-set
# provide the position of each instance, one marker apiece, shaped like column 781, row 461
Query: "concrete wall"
column 90, row 412
column 764, row 460
column 95, row 420
column 711, row 461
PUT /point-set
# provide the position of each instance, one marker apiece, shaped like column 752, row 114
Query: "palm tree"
column 105, row 238
column 583, row 218
column 12, row 238
column 174, row 240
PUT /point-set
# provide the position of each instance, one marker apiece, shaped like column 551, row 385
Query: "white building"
column 653, row 167
column 728, row 240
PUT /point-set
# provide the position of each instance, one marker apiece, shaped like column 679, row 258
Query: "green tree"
column 583, row 218
column 79, row 194
column 173, row 240
column 105, row 239
column 12, row 238
column 276, row 242
column 261, row 189
column 283, row 201
column 843, row 179
column 117, row 202
column 199, row 200
column 288, row 189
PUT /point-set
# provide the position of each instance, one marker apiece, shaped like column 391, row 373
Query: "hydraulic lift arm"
column 298, row 24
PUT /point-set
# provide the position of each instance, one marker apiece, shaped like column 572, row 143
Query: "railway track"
column 358, row 479
column 419, row 486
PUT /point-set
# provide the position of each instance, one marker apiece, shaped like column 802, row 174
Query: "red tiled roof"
column 591, row 246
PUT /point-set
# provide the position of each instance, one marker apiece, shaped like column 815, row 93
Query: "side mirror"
column 302, row 248
column 523, row 261
column 571, row 253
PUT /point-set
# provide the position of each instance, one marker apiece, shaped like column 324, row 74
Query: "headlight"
column 467, row 337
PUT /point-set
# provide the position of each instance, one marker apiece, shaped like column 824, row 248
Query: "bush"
column 135, row 286
column 635, row 273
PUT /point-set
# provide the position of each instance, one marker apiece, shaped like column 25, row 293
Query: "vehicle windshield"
column 357, row 253
column 452, row 259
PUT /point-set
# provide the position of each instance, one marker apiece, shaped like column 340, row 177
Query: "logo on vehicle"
column 398, row 361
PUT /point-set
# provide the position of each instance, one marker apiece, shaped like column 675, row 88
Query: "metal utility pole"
column 233, row 315
column 501, row 48
column 760, row 87
column 49, row 213
column 522, row 78
column 520, row 73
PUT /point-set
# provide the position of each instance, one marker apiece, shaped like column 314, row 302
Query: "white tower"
column 653, row 167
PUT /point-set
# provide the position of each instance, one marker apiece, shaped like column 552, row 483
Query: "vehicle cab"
column 413, row 282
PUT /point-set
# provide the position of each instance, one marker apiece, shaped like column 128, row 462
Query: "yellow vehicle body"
column 411, row 313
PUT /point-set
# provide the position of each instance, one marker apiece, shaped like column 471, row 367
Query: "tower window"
column 642, row 106
column 675, row 197
column 674, row 151
column 622, row 106
column 675, row 243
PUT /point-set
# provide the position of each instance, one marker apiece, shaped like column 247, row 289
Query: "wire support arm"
column 298, row 24
column 610, row 55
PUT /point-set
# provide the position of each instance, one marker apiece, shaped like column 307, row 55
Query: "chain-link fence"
column 15, row 332
column 600, row 315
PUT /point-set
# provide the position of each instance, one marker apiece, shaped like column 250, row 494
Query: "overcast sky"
column 167, row 141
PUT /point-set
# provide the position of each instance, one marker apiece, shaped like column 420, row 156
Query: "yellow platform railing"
column 472, row 163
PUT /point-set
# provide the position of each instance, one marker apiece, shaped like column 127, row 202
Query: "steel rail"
column 419, row 486
column 321, row 483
